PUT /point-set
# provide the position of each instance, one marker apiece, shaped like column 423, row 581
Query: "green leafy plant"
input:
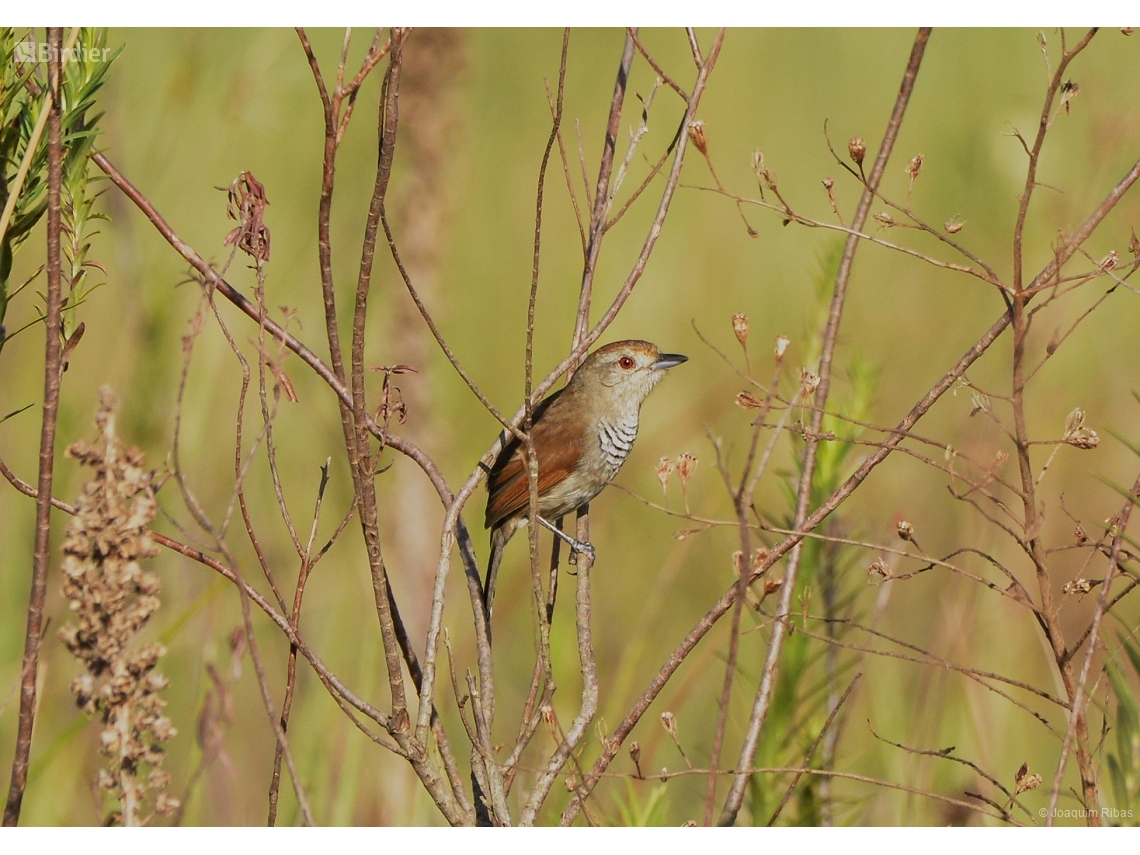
column 810, row 673
column 23, row 156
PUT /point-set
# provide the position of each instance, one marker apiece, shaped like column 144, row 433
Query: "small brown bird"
column 582, row 435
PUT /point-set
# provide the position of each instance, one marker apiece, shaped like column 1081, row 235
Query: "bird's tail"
column 499, row 537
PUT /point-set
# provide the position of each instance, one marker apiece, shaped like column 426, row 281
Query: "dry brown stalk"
column 114, row 599
column 52, row 376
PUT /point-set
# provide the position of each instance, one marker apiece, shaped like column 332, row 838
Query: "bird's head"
column 624, row 372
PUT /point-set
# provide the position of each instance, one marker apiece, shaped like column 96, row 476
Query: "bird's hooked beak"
column 669, row 360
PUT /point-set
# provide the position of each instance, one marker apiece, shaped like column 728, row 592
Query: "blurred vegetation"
column 185, row 111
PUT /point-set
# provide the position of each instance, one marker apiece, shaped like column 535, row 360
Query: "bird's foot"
column 577, row 547
column 580, row 547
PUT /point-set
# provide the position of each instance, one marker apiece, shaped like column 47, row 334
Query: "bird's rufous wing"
column 508, row 485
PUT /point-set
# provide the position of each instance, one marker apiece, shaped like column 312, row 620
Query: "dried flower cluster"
column 113, row 599
column 1023, row 781
column 1076, row 434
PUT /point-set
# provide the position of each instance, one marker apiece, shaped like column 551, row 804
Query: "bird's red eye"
column 626, row 362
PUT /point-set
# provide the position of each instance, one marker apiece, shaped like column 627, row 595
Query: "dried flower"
column 1077, row 586
column 738, row 562
column 601, row 730
column 740, row 327
column 1110, row 260
column 953, row 225
column 1024, row 781
column 782, row 342
column 764, row 177
column 697, row 135
column 547, row 712
column 113, row 599
column 914, row 167
column 1076, row 434
column 1054, row 342
column 1069, row 91
column 1080, row 535
column 669, row 722
column 635, row 752
column 759, row 556
column 878, row 571
column 809, row 382
column 748, row 401
column 686, row 463
column 246, row 203
column 664, row 470
column 772, row 584
column 905, row 530
column 857, row 149
column 884, row 219
column 829, row 186
column 166, row 805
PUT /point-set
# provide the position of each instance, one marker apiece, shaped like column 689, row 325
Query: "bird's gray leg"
column 576, row 545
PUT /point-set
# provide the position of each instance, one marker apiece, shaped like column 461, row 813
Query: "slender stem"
column 52, row 376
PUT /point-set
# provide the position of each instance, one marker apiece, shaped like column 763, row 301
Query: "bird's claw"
column 582, row 547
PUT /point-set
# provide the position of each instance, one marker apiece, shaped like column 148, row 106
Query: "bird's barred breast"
column 616, row 441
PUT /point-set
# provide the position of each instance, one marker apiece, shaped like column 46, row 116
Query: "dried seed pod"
column 878, row 571
column 697, row 135
column 914, row 167
column 1069, row 91
column 748, row 401
column 809, row 382
column 905, row 530
column 953, row 225
column 740, row 327
column 686, row 463
column 857, row 149
column 782, row 342
column 759, row 556
column 738, row 562
column 1076, row 434
column 664, row 470
column 1024, row 781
